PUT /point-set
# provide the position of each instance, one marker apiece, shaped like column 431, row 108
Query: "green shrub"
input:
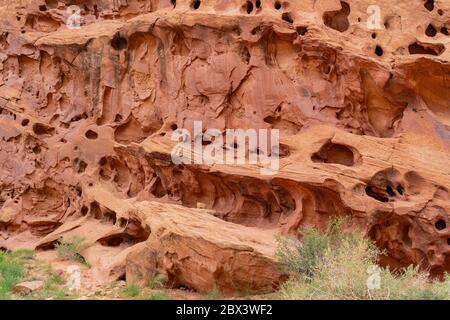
column 302, row 257
column 53, row 288
column 334, row 265
column 55, row 279
column 23, row 254
column 214, row 295
column 71, row 248
column 131, row 290
column 11, row 272
column 158, row 296
column 157, row 282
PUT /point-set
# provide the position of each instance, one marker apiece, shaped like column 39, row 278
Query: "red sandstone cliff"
column 87, row 115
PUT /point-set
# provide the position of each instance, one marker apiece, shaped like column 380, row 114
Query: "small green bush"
column 23, row 254
column 158, row 296
column 302, row 258
column 131, row 290
column 53, row 288
column 55, row 279
column 214, row 295
column 334, row 265
column 11, row 272
column 157, row 282
column 71, row 248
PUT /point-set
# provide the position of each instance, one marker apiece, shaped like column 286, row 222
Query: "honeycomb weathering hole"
column 119, row 42
column 51, row 3
column 249, row 7
column 80, row 165
column 196, row 4
column 302, row 30
column 429, row 5
column 440, row 224
column 430, row 31
column 90, row 134
column 338, row 20
column 390, row 191
column 378, row 51
column 43, row 129
column 431, row 49
column 286, row 16
column 112, row 241
column 336, row 153
column 376, row 195
column 388, row 184
column 283, row 151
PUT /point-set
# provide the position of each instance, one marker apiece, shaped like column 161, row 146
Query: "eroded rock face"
column 87, row 115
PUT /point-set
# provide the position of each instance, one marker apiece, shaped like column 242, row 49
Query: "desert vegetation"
column 338, row 265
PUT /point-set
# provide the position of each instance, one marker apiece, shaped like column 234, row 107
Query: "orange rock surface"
column 87, row 116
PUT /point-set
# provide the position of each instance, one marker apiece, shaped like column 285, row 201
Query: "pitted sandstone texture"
column 87, row 116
